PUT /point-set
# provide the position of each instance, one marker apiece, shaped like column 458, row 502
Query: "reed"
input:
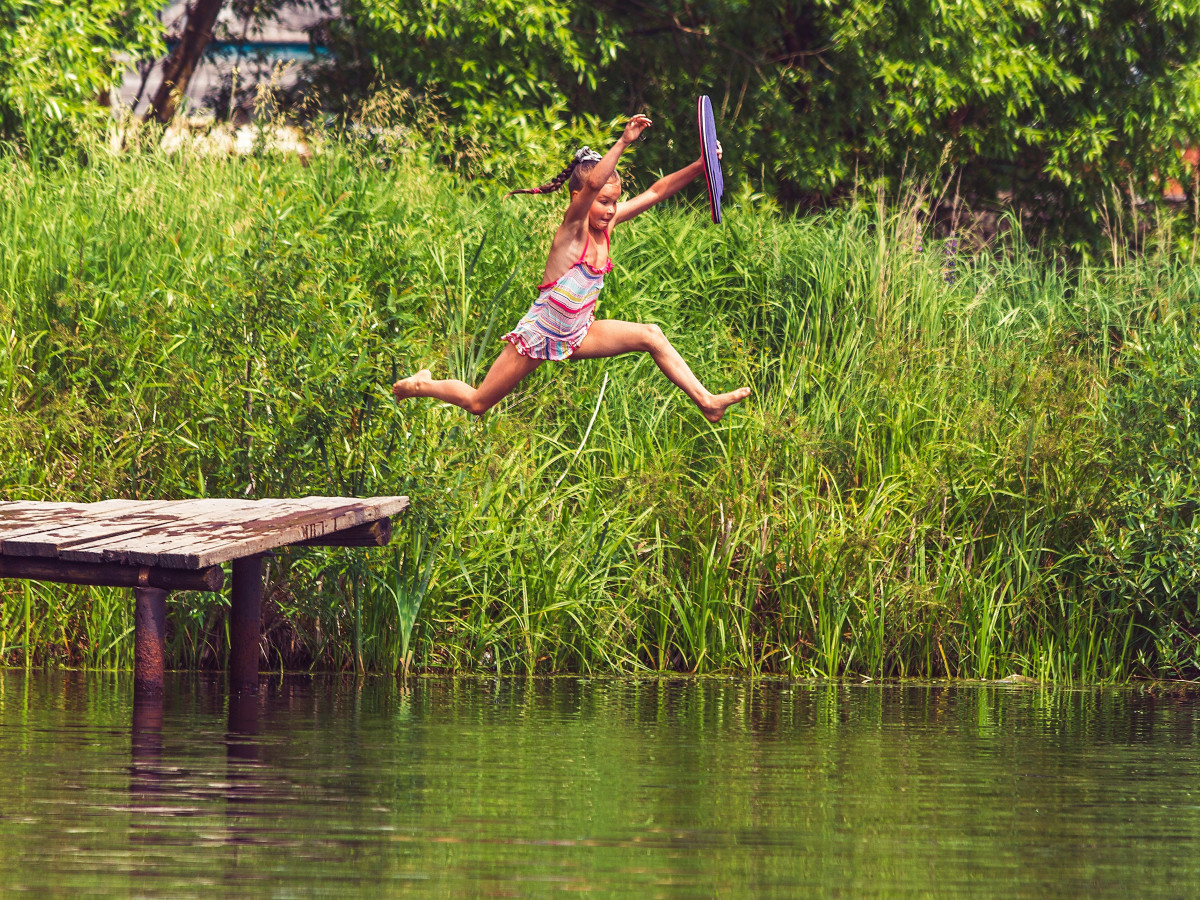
column 911, row 491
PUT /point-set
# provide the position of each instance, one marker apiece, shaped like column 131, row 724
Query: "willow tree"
column 60, row 63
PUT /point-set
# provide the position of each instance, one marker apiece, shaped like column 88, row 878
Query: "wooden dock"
column 157, row 546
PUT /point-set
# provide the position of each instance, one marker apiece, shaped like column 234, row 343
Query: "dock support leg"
column 149, row 639
column 245, row 624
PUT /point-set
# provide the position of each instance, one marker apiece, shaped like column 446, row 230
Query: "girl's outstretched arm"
column 665, row 187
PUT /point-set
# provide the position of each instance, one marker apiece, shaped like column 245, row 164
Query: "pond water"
column 468, row 787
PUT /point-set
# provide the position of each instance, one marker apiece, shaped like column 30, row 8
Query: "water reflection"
column 246, row 780
column 653, row 786
column 147, row 780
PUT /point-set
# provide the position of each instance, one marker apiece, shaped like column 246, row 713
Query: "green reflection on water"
column 651, row 788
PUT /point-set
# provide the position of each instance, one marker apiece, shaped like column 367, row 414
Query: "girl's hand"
column 635, row 127
column 720, row 156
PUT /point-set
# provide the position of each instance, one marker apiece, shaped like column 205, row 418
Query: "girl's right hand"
column 635, row 127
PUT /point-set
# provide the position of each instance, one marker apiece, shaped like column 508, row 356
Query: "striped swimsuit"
column 563, row 312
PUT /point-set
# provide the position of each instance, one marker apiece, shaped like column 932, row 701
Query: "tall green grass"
column 914, row 488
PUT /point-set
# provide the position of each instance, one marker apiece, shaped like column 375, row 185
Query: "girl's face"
column 604, row 207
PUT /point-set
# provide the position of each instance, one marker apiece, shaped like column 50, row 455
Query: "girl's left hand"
column 635, row 127
column 720, row 155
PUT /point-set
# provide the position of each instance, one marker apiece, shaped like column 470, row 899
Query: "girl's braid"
column 582, row 155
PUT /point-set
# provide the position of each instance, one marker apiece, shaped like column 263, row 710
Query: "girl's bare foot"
column 412, row 386
column 718, row 403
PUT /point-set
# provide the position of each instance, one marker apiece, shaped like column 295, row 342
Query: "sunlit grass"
column 905, row 493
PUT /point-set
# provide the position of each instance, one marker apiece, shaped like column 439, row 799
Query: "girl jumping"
column 561, row 323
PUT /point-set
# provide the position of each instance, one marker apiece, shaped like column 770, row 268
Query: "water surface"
column 324, row 786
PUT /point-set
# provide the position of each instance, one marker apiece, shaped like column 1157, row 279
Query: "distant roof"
column 289, row 25
column 255, row 49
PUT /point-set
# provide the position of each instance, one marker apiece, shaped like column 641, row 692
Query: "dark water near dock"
column 328, row 786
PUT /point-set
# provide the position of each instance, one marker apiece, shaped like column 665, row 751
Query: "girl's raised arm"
column 603, row 170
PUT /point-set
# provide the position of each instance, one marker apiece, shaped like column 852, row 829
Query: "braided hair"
column 584, row 161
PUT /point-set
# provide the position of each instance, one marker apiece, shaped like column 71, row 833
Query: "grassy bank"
column 973, row 472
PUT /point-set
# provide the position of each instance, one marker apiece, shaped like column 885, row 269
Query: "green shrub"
column 1144, row 556
column 60, row 63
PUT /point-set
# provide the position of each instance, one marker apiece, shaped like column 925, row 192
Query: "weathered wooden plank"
column 32, row 507
column 221, row 545
column 18, row 521
column 219, row 519
column 53, row 536
column 181, row 544
column 67, row 529
column 185, row 533
column 199, row 513
column 293, row 533
column 166, row 532
column 114, row 522
column 24, row 518
column 259, row 537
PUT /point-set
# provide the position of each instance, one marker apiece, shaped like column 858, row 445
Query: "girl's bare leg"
column 504, row 375
column 611, row 337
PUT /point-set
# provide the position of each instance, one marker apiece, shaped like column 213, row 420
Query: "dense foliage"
column 1070, row 112
column 60, row 61
column 949, row 466
column 1047, row 105
column 1144, row 558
